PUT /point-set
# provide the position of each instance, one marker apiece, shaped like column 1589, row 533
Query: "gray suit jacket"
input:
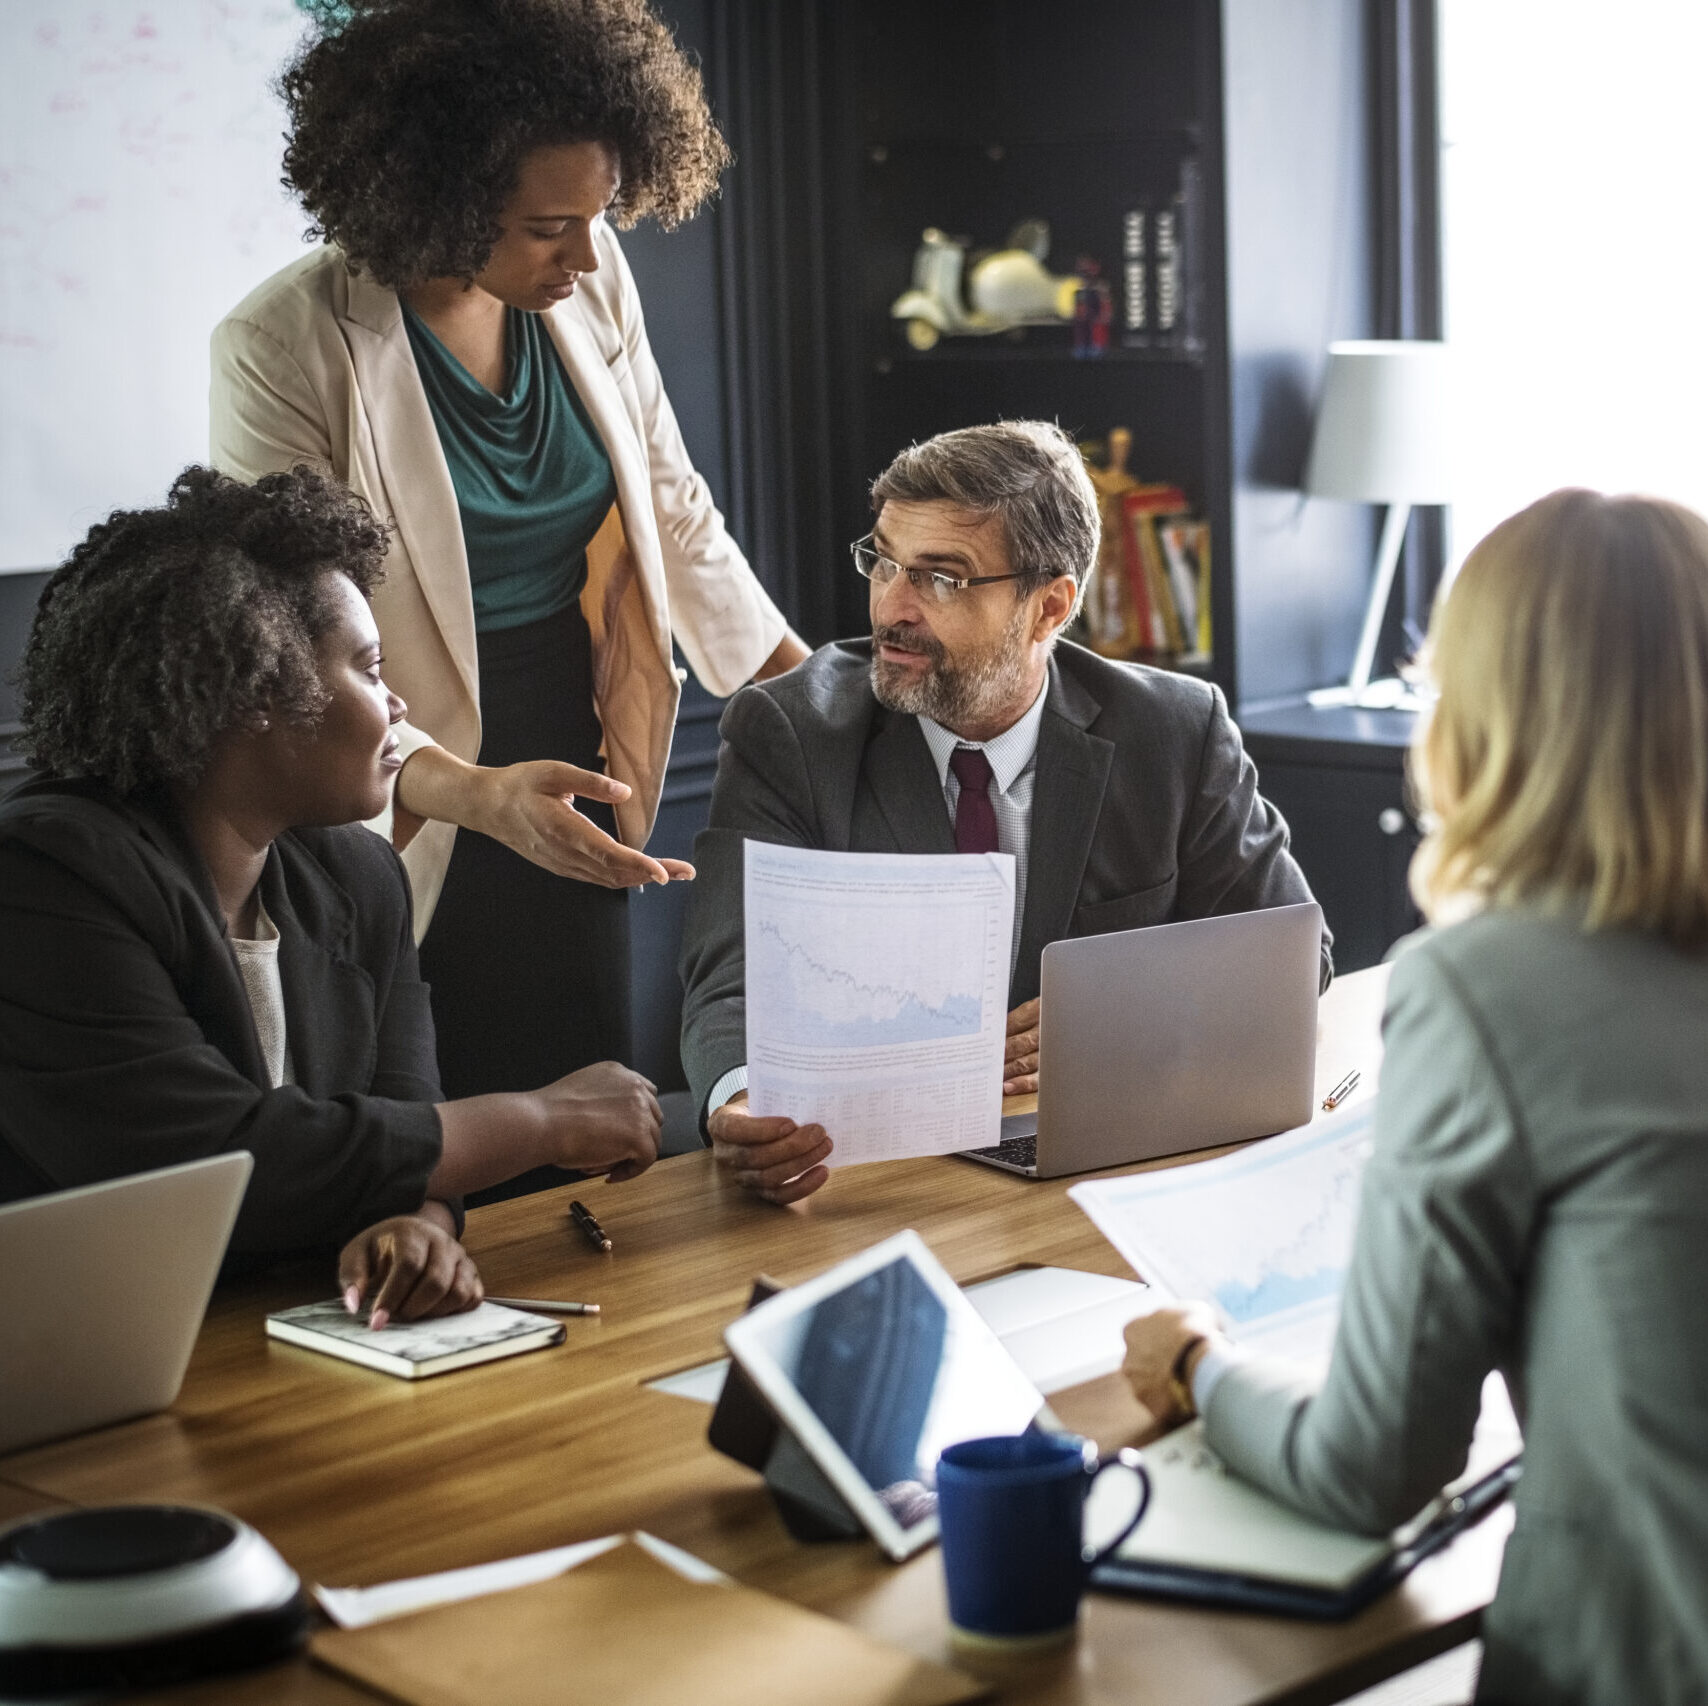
column 1537, row 1203
column 1145, row 810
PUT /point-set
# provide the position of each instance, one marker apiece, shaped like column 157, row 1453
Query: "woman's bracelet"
column 1179, row 1387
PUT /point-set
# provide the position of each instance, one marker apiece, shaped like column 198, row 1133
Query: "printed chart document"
column 877, row 996
column 1265, row 1233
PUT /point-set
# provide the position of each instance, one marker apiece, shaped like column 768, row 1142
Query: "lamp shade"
column 1382, row 429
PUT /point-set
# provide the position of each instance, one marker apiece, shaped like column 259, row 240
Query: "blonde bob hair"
column 1566, row 763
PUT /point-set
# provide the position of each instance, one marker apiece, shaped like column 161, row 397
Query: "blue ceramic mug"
column 1012, row 1512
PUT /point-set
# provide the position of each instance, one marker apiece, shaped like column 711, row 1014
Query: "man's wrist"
column 732, row 1084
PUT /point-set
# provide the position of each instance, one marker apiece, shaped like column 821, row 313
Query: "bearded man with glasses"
column 1123, row 792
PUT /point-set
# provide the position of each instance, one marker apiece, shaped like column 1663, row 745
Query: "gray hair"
column 1029, row 473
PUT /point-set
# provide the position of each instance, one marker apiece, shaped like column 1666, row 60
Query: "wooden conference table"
column 358, row 1478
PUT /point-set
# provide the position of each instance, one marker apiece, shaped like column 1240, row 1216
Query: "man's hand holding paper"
column 774, row 1158
column 1020, row 1053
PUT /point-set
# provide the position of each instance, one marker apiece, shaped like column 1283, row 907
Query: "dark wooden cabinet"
column 1338, row 777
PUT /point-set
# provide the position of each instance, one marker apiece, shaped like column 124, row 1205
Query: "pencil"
column 546, row 1305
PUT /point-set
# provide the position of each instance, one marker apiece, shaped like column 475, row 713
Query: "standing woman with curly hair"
column 467, row 352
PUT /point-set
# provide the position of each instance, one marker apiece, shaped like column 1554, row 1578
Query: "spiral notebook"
column 1214, row 1539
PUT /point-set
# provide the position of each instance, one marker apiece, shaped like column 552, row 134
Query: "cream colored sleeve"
column 263, row 414
column 720, row 615
column 264, row 417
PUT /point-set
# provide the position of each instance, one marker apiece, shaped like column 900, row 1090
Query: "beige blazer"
column 315, row 367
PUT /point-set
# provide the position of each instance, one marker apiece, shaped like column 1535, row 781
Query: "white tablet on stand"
column 872, row 1369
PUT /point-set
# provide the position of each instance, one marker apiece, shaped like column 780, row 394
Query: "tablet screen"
column 894, row 1372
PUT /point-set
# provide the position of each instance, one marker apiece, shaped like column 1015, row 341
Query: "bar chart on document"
column 877, row 989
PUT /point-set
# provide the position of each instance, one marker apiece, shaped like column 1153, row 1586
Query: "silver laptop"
column 102, row 1292
column 1160, row 1041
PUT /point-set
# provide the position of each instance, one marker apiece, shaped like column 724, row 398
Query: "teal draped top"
column 533, row 480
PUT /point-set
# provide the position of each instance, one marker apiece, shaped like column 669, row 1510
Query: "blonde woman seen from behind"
column 1537, row 1200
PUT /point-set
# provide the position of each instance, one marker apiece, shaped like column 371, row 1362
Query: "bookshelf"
column 970, row 115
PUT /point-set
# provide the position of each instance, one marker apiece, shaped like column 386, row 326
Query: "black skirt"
column 529, row 971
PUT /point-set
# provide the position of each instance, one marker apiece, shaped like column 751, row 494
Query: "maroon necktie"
column 975, row 816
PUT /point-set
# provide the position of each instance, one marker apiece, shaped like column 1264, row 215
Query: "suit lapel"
column 214, row 989
column 903, row 779
column 1072, row 771
column 329, row 1000
column 421, row 498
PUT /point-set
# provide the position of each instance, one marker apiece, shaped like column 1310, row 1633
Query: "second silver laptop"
column 1166, row 1040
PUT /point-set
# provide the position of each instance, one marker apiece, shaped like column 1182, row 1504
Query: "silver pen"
column 546, row 1305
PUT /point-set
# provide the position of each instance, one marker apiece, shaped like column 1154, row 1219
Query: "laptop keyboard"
column 1012, row 1151
column 1018, row 1150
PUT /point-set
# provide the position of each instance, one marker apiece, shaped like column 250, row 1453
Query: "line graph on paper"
column 866, row 978
column 875, row 995
column 1266, row 1233
column 1308, row 1266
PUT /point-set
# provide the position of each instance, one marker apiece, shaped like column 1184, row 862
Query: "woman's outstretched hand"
column 412, row 1265
column 531, row 808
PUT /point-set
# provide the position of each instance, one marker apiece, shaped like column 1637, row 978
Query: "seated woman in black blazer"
column 203, row 948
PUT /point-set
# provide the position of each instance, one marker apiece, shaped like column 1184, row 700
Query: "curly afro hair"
column 167, row 627
column 410, row 120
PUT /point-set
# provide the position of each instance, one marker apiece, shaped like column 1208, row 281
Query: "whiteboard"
column 140, row 148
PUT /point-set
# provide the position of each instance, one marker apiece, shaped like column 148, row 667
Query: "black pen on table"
column 591, row 1230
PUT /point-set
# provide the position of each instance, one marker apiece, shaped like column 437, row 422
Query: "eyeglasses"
column 871, row 564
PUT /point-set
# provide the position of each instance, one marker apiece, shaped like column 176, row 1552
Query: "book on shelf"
column 1149, row 599
column 1186, row 544
column 1145, row 631
column 1135, row 277
column 414, row 1350
column 1168, row 265
column 1140, row 509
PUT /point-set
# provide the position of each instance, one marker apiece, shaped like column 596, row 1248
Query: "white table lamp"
column 1382, row 437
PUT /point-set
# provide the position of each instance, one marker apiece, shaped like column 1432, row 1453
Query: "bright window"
column 1575, row 212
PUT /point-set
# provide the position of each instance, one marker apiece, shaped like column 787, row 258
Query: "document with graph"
column 1265, row 1233
column 877, row 996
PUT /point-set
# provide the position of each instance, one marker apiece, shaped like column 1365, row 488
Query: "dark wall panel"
column 1298, row 166
column 676, row 273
